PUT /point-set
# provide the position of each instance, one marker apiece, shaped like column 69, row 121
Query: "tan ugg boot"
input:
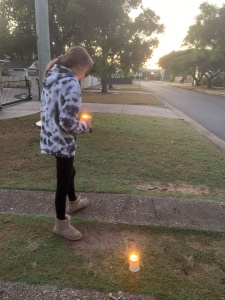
column 64, row 229
column 76, row 205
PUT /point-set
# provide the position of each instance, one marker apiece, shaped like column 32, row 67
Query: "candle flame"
column 134, row 257
column 85, row 116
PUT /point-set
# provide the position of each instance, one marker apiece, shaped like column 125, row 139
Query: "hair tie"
column 60, row 57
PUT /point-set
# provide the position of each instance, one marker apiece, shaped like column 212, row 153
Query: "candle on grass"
column 134, row 262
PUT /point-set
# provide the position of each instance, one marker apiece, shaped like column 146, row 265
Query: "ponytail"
column 74, row 56
column 51, row 64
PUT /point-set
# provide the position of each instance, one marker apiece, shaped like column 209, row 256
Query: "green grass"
column 124, row 154
column 117, row 87
column 121, row 98
column 175, row 264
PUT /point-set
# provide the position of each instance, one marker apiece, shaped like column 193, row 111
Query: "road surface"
column 207, row 110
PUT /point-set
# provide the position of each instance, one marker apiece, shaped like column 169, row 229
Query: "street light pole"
column 43, row 40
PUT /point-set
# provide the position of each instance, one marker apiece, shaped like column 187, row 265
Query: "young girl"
column 61, row 101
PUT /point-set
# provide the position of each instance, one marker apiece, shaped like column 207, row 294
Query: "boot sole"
column 68, row 237
column 76, row 210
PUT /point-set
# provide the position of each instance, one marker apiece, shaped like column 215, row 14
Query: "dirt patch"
column 106, row 237
column 174, row 187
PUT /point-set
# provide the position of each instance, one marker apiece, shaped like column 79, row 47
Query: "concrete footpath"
column 31, row 107
column 128, row 209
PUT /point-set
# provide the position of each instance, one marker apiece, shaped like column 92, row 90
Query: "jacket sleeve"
column 69, row 112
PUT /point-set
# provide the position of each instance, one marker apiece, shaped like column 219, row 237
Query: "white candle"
column 38, row 124
column 134, row 262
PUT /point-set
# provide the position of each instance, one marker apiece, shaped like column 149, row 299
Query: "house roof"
column 34, row 66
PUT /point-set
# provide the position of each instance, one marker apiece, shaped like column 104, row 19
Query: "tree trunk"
column 197, row 81
column 104, row 85
column 110, row 82
column 209, row 82
column 104, row 74
column 210, row 78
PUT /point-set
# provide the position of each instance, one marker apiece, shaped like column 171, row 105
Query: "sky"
column 177, row 16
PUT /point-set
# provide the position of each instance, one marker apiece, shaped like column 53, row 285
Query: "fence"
column 15, row 89
column 183, row 79
column 85, row 83
column 12, row 91
column 89, row 81
column 125, row 80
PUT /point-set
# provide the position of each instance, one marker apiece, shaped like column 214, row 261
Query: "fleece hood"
column 56, row 73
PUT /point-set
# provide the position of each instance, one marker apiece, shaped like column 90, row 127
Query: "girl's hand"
column 87, row 119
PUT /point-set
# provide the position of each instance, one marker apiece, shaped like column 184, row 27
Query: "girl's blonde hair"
column 74, row 56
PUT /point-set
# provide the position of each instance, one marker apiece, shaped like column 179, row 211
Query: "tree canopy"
column 194, row 62
column 104, row 27
column 205, row 40
column 208, row 31
column 114, row 39
column 17, row 30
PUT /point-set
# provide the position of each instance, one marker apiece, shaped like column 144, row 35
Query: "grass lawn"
column 119, row 87
column 175, row 264
column 124, row 154
column 118, row 97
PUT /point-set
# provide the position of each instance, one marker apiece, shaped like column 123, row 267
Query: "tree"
column 18, row 33
column 215, row 61
column 134, row 54
column 102, row 26
column 17, row 36
column 140, row 44
column 208, row 33
column 110, row 32
column 208, row 30
column 194, row 62
column 65, row 25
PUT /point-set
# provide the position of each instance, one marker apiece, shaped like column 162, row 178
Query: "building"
column 2, row 64
column 150, row 74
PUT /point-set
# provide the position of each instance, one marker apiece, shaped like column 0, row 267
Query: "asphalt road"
column 207, row 110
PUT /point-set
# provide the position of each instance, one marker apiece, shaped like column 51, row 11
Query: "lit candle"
column 134, row 262
column 85, row 116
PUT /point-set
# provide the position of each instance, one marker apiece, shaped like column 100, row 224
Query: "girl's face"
column 80, row 71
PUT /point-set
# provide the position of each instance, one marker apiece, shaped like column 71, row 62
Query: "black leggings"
column 65, row 185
